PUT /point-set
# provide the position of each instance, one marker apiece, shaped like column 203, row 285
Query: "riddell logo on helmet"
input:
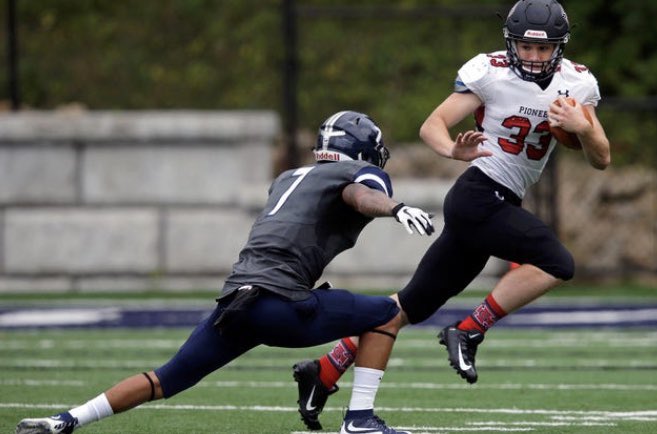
column 536, row 34
column 326, row 155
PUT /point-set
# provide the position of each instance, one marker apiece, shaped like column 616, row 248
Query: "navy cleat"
column 312, row 392
column 370, row 425
column 461, row 350
column 62, row 423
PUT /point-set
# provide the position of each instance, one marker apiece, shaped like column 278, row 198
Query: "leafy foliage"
column 394, row 60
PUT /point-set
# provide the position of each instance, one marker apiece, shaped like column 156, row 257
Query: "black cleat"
column 461, row 350
column 312, row 392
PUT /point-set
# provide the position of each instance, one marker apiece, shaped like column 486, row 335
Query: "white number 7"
column 301, row 173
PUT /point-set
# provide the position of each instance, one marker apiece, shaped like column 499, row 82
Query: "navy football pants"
column 328, row 315
column 482, row 219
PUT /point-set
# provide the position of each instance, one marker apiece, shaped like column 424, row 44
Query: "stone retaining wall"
column 93, row 201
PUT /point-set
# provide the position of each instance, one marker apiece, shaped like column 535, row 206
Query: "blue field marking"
column 594, row 315
column 17, row 317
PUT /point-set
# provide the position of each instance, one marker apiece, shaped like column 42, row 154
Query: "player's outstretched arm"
column 435, row 130
column 374, row 203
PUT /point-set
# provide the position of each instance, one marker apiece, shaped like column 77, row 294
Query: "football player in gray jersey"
column 312, row 214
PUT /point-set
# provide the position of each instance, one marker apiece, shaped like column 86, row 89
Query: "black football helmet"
column 350, row 135
column 543, row 21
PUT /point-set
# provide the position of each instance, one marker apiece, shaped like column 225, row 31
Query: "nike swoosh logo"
column 351, row 428
column 464, row 366
column 309, row 405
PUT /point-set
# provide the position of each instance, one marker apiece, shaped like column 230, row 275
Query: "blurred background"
column 137, row 140
column 137, row 143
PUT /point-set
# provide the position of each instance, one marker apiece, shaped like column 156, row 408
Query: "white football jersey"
column 513, row 116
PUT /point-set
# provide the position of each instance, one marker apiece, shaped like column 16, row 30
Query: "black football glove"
column 413, row 219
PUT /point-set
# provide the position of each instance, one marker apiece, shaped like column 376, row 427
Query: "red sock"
column 484, row 316
column 336, row 362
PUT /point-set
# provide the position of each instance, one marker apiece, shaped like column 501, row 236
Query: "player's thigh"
column 324, row 317
column 516, row 235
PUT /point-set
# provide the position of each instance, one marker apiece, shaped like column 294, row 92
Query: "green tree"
column 393, row 59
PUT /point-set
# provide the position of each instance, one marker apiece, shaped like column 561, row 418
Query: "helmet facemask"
column 536, row 21
column 379, row 154
column 533, row 70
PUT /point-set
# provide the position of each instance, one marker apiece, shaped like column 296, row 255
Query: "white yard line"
column 80, row 344
column 562, row 418
column 535, row 423
column 28, row 382
column 645, row 361
column 447, row 429
column 579, row 414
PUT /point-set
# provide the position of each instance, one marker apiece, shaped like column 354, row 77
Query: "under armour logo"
column 565, row 93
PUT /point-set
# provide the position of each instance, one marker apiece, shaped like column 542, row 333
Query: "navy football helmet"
column 350, row 135
column 542, row 21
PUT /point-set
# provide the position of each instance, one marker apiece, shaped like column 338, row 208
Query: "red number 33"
column 516, row 141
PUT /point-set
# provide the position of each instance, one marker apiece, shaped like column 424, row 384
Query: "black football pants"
column 482, row 219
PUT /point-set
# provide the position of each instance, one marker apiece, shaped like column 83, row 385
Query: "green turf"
column 617, row 292
column 571, row 381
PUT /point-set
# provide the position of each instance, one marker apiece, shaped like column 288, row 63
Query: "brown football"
column 569, row 140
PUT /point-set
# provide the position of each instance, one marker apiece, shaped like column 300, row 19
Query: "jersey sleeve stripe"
column 460, row 86
column 375, row 178
column 374, row 182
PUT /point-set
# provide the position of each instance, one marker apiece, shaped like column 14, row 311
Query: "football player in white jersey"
column 511, row 95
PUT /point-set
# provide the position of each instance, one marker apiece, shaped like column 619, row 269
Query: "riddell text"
column 328, row 156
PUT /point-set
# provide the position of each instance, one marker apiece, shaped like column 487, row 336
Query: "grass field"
column 540, row 381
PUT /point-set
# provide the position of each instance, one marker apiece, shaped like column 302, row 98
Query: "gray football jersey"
column 303, row 226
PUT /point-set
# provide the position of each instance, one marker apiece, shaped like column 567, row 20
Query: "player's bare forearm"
column 435, row 129
column 368, row 201
column 434, row 133
column 374, row 203
column 596, row 145
column 597, row 153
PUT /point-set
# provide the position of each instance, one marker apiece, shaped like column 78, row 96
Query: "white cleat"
column 62, row 423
